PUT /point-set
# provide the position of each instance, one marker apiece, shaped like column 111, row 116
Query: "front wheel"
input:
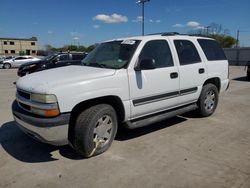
column 6, row 66
column 208, row 100
column 95, row 130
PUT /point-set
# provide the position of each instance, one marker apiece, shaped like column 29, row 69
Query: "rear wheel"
column 208, row 100
column 248, row 76
column 95, row 130
column 6, row 66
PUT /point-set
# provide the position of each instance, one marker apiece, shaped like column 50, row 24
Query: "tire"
column 208, row 100
column 248, row 76
column 95, row 130
column 6, row 66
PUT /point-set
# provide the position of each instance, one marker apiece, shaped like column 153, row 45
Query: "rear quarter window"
column 212, row 50
column 78, row 56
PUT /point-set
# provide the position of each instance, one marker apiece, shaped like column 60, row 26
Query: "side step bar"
column 148, row 120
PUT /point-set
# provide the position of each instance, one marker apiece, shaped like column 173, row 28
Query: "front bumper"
column 48, row 130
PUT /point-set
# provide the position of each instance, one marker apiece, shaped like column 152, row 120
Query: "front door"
column 157, row 89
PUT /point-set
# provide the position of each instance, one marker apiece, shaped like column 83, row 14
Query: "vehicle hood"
column 48, row 80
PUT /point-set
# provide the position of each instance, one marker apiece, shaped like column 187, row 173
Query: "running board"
column 148, row 120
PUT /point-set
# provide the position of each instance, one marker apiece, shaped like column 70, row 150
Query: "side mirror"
column 145, row 64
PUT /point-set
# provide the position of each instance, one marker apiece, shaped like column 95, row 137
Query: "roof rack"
column 166, row 33
column 170, row 34
column 199, row 35
column 176, row 33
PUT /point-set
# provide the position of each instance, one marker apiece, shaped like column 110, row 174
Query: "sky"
column 79, row 22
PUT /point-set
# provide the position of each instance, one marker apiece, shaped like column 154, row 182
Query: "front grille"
column 23, row 94
column 24, row 106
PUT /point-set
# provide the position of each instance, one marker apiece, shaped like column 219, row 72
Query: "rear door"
column 18, row 61
column 157, row 89
column 76, row 59
column 63, row 60
column 192, row 70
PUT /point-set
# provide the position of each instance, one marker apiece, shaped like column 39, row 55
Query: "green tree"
column 225, row 41
column 90, row 48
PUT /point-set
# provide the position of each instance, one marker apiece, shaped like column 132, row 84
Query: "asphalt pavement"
column 182, row 152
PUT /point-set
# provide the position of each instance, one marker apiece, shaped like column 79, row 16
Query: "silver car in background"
column 17, row 61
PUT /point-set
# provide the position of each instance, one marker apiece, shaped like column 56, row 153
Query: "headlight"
column 48, row 106
column 43, row 98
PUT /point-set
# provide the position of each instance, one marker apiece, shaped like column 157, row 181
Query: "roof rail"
column 199, row 35
column 170, row 34
column 165, row 33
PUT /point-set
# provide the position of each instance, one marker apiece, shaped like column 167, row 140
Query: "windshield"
column 49, row 57
column 113, row 55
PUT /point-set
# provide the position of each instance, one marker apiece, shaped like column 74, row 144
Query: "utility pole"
column 207, row 29
column 237, row 39
column 142, row 2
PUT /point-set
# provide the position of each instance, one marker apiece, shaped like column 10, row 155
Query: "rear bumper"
column 48, row 130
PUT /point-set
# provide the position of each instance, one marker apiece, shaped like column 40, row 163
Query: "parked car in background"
column 248, row 70
column 18, row 61
column 52, row 61
column 4, row 58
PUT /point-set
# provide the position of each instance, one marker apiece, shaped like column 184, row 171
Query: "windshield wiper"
column 101, row 65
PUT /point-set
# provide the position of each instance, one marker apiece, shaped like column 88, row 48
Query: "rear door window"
column 187, row 52
column 77, row 56
column 212, row 50
column 64, row 57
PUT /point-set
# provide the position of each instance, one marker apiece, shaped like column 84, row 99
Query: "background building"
column 18, row 46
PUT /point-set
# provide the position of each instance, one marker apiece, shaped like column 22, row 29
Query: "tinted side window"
column 19, row 58
column 159, row 51
column 212, row 50
column 77, row 56
column 187, row 52
column 64, row 57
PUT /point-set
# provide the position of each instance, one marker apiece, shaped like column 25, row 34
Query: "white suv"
column 131, row 82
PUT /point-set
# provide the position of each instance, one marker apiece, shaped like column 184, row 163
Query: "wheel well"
column 7, row 63
column 114, row 101
column 215, row 81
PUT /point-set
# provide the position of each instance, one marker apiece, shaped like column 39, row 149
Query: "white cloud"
column 158, row 21
column 50, row 32
column 75, row 35
column 178, row 25
column 138, row 19
column 151, row 21
column 76, row 38
column 114, row 18
column 193, row 24
column 96, row 26
column 200, row 27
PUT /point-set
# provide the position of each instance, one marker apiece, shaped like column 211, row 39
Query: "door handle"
column 173, row 75
column 201, row 70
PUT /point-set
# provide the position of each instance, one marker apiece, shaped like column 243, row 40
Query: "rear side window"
column 187, row 52
column 64, row 57
column 212, row 50
column 159, row 51
column 77, row 56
